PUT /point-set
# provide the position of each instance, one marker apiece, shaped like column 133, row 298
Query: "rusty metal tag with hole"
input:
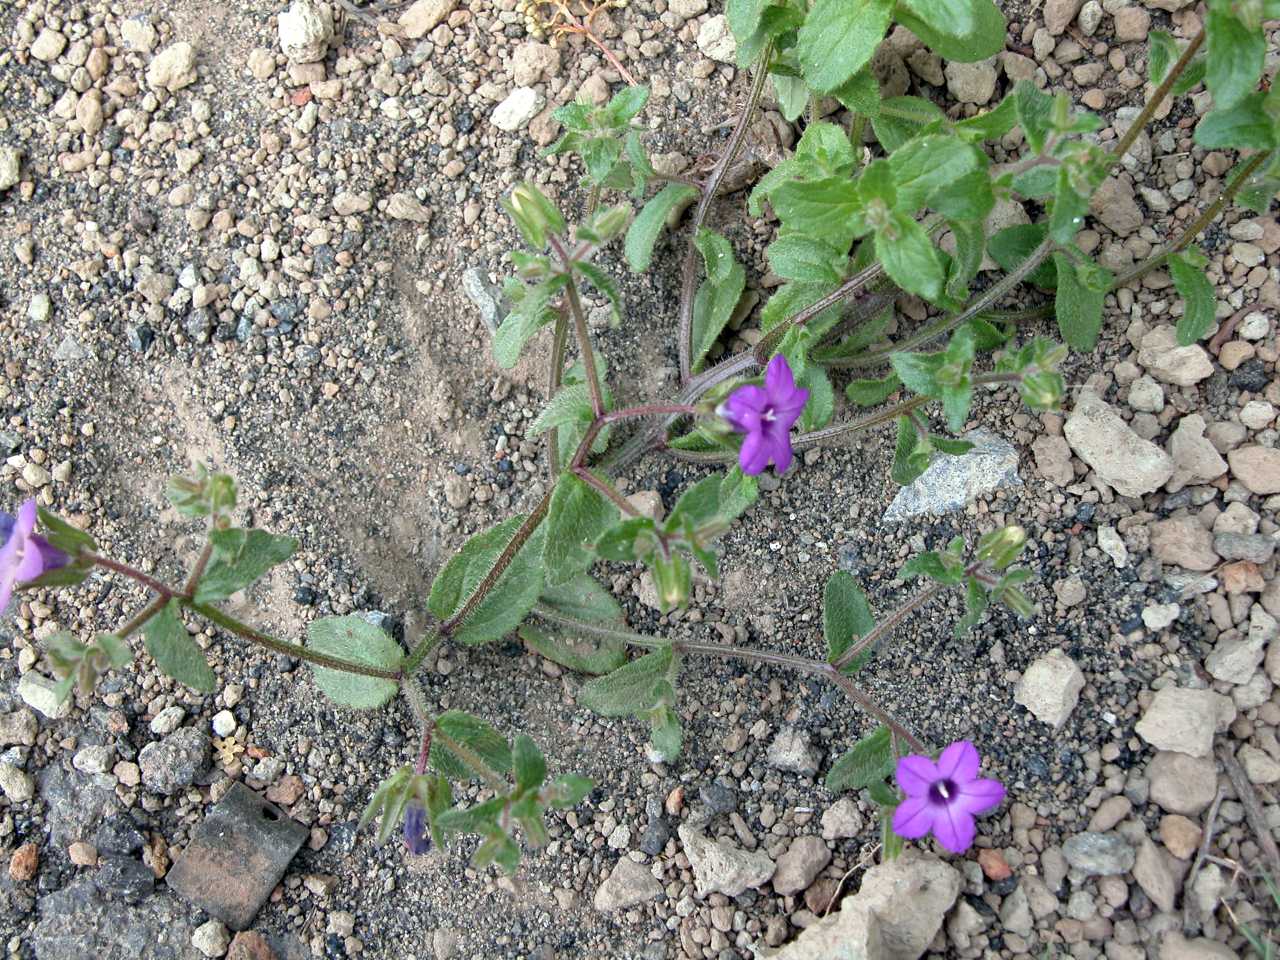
column 236, row 857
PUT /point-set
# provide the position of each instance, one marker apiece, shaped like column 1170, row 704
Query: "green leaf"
column 713, row 306
column 869, row 393
column 583, row 598
column 984, row 39
column 1011, row 246
column 944, row 568
column 510, row 599
column 737, row 493
column 1244, row 125
column 911, row 454
column 954, row 448
column 116, row 650
column 838, row 38
column 570, row 406
column 475, row 736
column 1078, row 304
column 992, row 125
column 909, row 257
column 955, row 18
column 625, row 105
column 635, row 687
column 792, row 297
column 968, row 197
column 62, row 535
column 568, row 790
column 1262, row 185
column 527, row 762
column 901, row 118
column 927, row 164
column 1039, row 181
column 846, row 616
column 530, row 311
column 1162, row 53
column 870, row 761
column 632, row 539
column 792, row 95
column 966, row 259
column 1035, row 114
column 1235, row 56
column 240, row 558
column 356, row 639
column 582, row 655
column 1200, row 304
column 665, row 733
column 821, row 403
column 819, row 208
column 717, row 255
column 645, row 229
column 602, row 282
column 175, row 653
column 576, row 518
column 1069, row 209
column 860, row 93
column 205, row 494
column 805, row 259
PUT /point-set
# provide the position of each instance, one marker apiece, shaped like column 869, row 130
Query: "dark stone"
column 140, row 336
column 75, row 805
column 1250, row 375
column 124, row 877
column 718, row 798
column 79, row 922
column 142, row 221
column 656, row 834
column 119, row 835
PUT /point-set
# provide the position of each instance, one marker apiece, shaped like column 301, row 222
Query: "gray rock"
column 1257, row 467
column 1155, row 875
column 1160, row 615
column 791, row 750
column 910, row 896
column 971, row 82
column 1058, row 15
column 19, row 727
column 1175, row 946
column 405, row 206
column 424, row 16
column 1182, row 720
column 95, row 758
column 802, row 862
column 720, row 866
column 10, row 167
column 1015, row 913
column 16, row 784
column 78, row 922
column 125, row 878
column 951, row 483
column 718, row 797
column 1194, row 456
column 168, row 720
column 1258, row 765
column 486, row 297
column 853, row 931
column 1182, row 784
column 1050, row 688
column 1166, row 361
column 1121, row 458
column 1114, row 205
column 1257, row 547
column 628, row 883
column 716, row 41
column 74, row 805
column 40, row 694
column 842, row 819
column 174, row 763
column 1099, row 854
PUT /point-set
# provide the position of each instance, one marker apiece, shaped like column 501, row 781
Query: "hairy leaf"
column 356, row 639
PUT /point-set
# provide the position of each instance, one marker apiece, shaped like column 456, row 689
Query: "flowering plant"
column 863, row 212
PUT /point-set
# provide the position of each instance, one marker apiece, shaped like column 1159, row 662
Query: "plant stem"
column 689, row 277
column 819, row 668
column 243, row 630
column 855, row 284
column 197, row 571
column 580, row 327
column 142, row 616
column 499, row 567
column 1194, row 229
column 471, row 759
column 627, row 413
column 1157, row 97
column 554, row 374
column 419, row 653
column 608, row 490
column 133, row 573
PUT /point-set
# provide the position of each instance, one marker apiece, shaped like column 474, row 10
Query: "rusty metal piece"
column 237, row 856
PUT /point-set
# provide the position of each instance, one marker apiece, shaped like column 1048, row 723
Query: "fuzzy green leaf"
column 576, row 518
column 356, row 639
column 1235, row 55
column 985, row 38
column 645, row 229
column 175, row 653
column 869, row 393
column 1078, row 304
column 846, row 616
column 240, row 558
column 870, row 761
column 838, row 38
column 474, row 736
column 635, row 687
column 1200, row 304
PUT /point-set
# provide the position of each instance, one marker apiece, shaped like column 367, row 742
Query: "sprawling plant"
column 891, row 198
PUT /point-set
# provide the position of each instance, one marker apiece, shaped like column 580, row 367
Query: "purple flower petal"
column 779, row 452
column 915, row 775
column 754, row 455
column 954, row 828
column 980, row 796
column 416, row 835
column 913, row 818
column 959, row 761
column 51, row 557
column 778, row 379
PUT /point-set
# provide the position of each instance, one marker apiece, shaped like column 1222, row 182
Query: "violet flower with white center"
column 944, row 797
column 25, row 555
column 766, row 414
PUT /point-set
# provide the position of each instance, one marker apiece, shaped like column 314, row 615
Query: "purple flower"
column 944, row 797
column 765, row 414
column 25, row 554
column 416, row 835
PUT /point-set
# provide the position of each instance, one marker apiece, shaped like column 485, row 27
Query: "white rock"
column 305, row 31
column 720, row 866
column 842, row 819
column 49, row 45
column 1195, row 458
column 1166, row 361
column 1112, row 544
column 405, row 206
column 211, row 938
column 1182, row 720
column 424, row 16
column 10, row 167
column 224, row 723
column 96, row 758
column 347, row 203
column 1160, row 615
column 971, row 82
column 40, row 694
column 1121, row 458
column 139, row 34
column 521, row 105
column 1050, row 688
column 173, row 68
column 16, row 784
column 628, row 884
column 1146, row 395
column 952, row 482
column 715, row 40
column 168, row 720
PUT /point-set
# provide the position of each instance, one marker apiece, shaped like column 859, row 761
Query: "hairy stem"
column 197, row 571
column 689, row 275
column 133, row 573
column 142, row 616
column 819, row 668
column 628, row 413
column 554, row 374
column 854, row 285
column 608, row 490
column 246, row 632
column 1157, row 97
column 472, row 760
